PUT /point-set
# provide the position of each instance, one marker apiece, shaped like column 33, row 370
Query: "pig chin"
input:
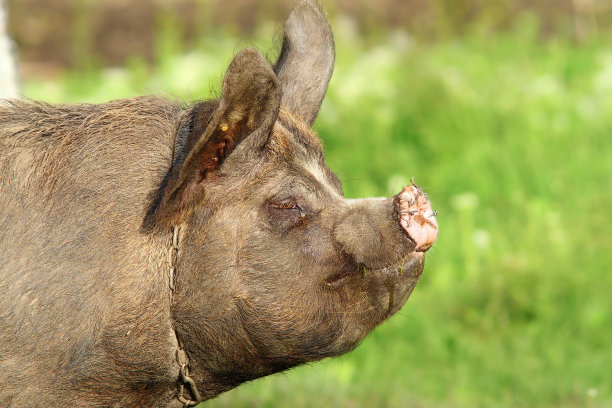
column 367, row 299
column 399, row 282
column 387, row 288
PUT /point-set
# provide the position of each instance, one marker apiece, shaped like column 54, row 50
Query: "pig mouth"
column 395, row 283
column 339, row 279
column 409, row 268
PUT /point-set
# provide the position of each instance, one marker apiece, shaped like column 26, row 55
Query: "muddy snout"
column 382, row 233
column 416, row 217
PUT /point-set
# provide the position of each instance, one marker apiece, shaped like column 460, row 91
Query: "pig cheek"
column 327, row 260
column 317, row 244
column 283, row 279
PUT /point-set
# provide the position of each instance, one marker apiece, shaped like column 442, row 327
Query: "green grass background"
column 511, row 137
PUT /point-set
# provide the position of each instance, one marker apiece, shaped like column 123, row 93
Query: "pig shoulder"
column 75, row 183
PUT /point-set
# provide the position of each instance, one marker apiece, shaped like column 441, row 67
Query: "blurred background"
column 501, row 110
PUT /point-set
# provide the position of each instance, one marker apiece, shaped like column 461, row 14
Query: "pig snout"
column 416, row 217
column 380, row 233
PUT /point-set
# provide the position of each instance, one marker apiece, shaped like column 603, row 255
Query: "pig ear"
column 246, row 112
column 306, row 61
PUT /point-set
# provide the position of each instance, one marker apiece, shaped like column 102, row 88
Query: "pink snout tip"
column 416, row 217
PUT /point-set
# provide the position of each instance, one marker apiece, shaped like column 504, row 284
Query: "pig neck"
column 188, row 393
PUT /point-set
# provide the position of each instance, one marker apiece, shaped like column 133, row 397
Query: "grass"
column 511, row 138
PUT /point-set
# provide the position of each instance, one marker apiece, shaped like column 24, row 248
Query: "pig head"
column 237, row 253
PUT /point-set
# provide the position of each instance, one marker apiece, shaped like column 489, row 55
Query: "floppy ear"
column 245, row 113
column 306, row 61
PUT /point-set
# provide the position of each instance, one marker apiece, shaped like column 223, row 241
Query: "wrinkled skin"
column 275, row 267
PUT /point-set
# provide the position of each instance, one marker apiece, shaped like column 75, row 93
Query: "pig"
column 157, row 255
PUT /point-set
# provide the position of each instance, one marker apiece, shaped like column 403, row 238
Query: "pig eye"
column 286, row 214
column 288, row 204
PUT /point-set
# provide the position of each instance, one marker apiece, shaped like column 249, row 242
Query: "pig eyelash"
column 285, row 205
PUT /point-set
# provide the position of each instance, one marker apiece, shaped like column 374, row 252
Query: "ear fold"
column 245, row 113
column 306, row 61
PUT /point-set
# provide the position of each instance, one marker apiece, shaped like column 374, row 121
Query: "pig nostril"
column 416, row 217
